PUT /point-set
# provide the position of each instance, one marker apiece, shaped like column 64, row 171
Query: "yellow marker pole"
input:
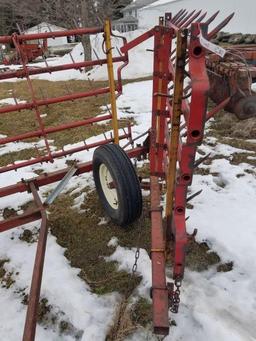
column 107, row 31
column 176, row 115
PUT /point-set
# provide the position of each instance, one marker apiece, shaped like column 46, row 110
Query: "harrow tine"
column 181, row 18
column 46, row 64
column 70, row 54
column 194, row 195
column 178, row 15
column 202, row 17
column 119, row 52
column 12, row 159
column 96, row 54
column 213, row 33
column 14, row 97
column 75, row 23
column 187, row 18
column 37, row 151
column 187, row 23
column 18, row 27
column 108, row 109
column 201, row 160
column 50, row 30
column 210, row 20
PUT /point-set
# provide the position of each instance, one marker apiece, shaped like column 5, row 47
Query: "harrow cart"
column 179, row 113
column 232, row 77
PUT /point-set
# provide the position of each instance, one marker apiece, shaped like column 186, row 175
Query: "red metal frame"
column 195, row 115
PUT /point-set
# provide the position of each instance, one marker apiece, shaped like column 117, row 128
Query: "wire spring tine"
column 70, row 54
column 45, row 61
column 96, row 54
column 194, row 195
column 108, row 109
column 119, row 52
column 86, row 146
column 201, row 160
column 18, row 27
column 75, row 23
column 14, row 97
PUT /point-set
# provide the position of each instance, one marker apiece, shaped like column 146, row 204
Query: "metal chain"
column 137, row 256
column 175, row 299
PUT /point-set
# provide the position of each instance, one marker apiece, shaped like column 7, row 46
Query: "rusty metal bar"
column 41, row 102
column 111, row 79
column 31, row 317
column 36, row 71
column 50, row 130
column 46, row 179
column 176, row 116
column 55, row 155
column 158, row 251
column 25, row 218
column 56, row 34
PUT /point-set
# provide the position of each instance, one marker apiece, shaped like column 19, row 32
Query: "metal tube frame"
column 159, row 150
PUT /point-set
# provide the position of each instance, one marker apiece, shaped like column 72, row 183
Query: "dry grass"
column 24, row 121
column 79, row 232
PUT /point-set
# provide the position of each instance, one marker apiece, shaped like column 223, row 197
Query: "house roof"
column 44, row 27
column 160, row 3
column 137, row 4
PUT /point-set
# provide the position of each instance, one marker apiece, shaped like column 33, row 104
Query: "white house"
column 129, row 22
column 45, row 27
column 243, row 21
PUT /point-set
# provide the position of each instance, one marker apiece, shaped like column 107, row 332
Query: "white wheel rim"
column 107, row 184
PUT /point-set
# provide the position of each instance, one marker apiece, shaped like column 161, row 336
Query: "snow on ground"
column 214, row 306
column 140, row 60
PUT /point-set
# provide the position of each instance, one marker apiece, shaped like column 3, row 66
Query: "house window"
column 130, row 13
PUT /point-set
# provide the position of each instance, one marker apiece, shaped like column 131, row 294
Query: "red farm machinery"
column 179, row 114
column 31, row 50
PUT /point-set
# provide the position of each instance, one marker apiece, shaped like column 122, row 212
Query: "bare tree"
column 85, row 13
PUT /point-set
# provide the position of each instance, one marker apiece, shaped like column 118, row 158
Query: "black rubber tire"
column 126, row 183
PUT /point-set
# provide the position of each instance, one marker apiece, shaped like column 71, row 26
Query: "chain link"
column 175, row 299
column 135, row 265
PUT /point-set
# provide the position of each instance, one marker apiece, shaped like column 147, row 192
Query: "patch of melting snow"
column 11, row 101
column 213, row 305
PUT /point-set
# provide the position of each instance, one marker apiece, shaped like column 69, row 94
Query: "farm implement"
column 232, row 76
column 31, row 50
column 179, row 113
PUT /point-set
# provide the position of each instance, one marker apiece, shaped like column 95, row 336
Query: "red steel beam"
column 25, row 218
column 50, row 130
column 36, row 71
column 34, row 295
column 45, row 35
column 159, row 287
column 52, row 177
column 42, row 102
column 58, row 154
